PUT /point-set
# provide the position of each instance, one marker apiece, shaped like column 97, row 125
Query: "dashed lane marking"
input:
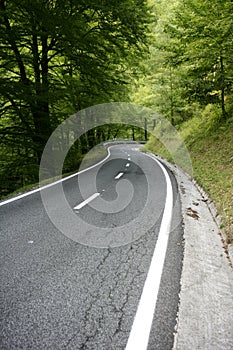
column 88, row 200
column 119, row 176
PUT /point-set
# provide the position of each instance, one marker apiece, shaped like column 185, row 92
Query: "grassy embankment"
column 210, row 144
column 94, row 156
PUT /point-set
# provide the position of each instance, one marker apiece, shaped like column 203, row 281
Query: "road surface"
column 57, row 293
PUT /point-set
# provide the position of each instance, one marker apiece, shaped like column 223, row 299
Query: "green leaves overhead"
column 204, row 31
column 60, row 56
column 191, row 58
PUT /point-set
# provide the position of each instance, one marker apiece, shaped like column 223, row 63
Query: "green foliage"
column 190, row 83
column 210, row 143
column 203, row 31
column 191, row 59
column 162, row 89
column 57, row 57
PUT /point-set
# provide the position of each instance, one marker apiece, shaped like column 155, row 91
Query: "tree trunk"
column 40, row 110
column 145, row 129
column 171, row 97
column 222, row 70
column 133, row 133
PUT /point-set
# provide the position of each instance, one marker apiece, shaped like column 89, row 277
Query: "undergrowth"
column 210, row 144
column 95, row 155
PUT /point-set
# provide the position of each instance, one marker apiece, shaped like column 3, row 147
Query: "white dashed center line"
column 118, row 176
column 127, row 165
column 88, row 200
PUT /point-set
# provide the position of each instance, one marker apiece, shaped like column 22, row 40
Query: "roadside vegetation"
column 175, row 57
column 210, row 144
column 189, row 82
column 58, row 57
column 95, row 155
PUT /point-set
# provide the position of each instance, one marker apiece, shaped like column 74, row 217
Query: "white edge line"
column 54, row 183
column 118, row 176
column 88, row 200
column 140, row 331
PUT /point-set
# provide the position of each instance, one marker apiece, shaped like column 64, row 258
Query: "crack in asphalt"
column 120, row 285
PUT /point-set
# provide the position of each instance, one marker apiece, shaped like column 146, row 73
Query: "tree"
column 191, row 59
column 161, row 89
column 57, row 57
column 204, row 33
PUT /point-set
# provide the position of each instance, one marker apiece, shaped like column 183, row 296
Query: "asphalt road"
column 59, row 293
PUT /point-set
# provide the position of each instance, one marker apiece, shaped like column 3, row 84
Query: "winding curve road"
column 59, row 294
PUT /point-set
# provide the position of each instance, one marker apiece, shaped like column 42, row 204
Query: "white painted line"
column 88, row 200
column 129, row 158
column 127, row 165
column 140, row 332
column 53, row 183
column 118, row 176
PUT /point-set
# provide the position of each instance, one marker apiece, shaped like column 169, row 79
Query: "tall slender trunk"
column 13, row 44
column 171, row 97
column 24, row 81
column 41, row 113
column 133, row 133
column 222, row 72
column 145, row 129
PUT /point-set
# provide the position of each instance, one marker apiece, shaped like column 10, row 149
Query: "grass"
column 210, row 144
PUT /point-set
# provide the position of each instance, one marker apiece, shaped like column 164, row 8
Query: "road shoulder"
column 205, row 314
